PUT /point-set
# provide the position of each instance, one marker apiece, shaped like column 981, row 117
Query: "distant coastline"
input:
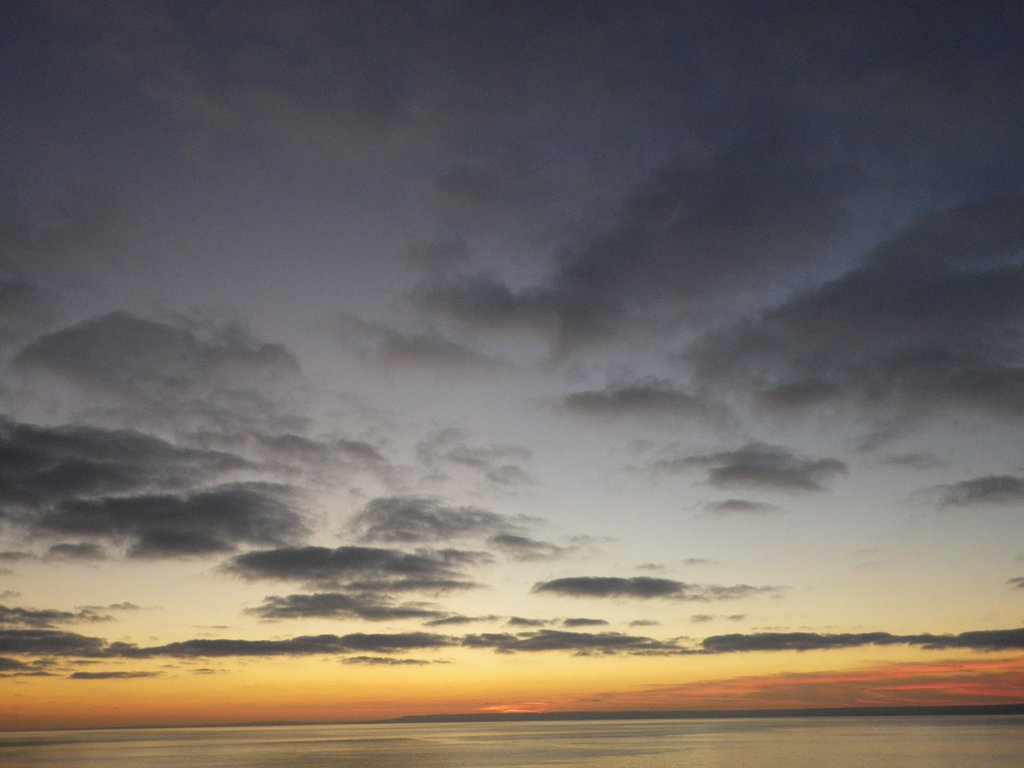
column 960, row 709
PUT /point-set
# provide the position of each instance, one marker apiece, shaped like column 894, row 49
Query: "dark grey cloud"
column 920, row 461
column 297, row 646
column 126, row 487
column 438, row 257
column 46, row 618
column 766, row 466
column 123, row 606
column 391, row 347
column 488, row 303
column 82, row 551
column 980, row 640
column 509, row 475
column 292, row 449
column 610, row 586
column 930, row 319
column 163, row 372
column 8, row 665
column 23, row 309
column 339, row 605
column 42, row 466
column 645, row 587
column 164, row 525
column 583, row 622
column 456, row 620
column 50, row 236
column 654, row 399
column 49, row 642
column 703, row 618
column 520, row 621
column 386, row 661
column 991, row 489
column 1017, row 582
column 580, row 643
column 272, row 86
column 56, row 643
column 13, row 556
column 417, row 519
column 449, row 450
column 113, row 675
column 727, row 507
column 424, row 520
column 361, row 569
column 695, row 233
column 524, row 548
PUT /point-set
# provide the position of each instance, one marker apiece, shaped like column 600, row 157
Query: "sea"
column 944, row 741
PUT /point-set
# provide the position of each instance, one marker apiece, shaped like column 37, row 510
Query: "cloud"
column 338, row 605
column 12, row 665
column 201, row 523
column 292, row 448
column 111, row 675
column 353, row 86
column 609, row 586
column 524, row 548
column 160, row 499
column 22, row 310
column 702, row 618
column 164, row 372
column 80, row 552
column 304, row 645
column 417, row 519
column 920, row 461
column 981, row 640
column 655, row 399
column 13, row 556
column 487, row 303
column 645, row 587
column 386, row 661
column 767, row 466
column 991, row 489
column 1017, row 582
column 123, row 606
column 437, row 257
column 46, row 619
column 424, row 520
column 582, row 622
column 728, row 507
column 929, row 320
column 449, row 450
column 391, row 347
column 49, row 642
column 57, row 643
column 580, row 643
column 361, row 568
column 451, row 621
column 693, row 234
column 42, row 466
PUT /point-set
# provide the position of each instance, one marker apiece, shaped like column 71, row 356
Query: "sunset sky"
column 361, row 360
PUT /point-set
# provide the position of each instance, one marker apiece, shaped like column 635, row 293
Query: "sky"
column 361, row 360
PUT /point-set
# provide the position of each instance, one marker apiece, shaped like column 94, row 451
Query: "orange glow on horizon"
column 299, row 691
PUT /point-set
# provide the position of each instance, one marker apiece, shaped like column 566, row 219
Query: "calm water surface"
column 858, row 742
